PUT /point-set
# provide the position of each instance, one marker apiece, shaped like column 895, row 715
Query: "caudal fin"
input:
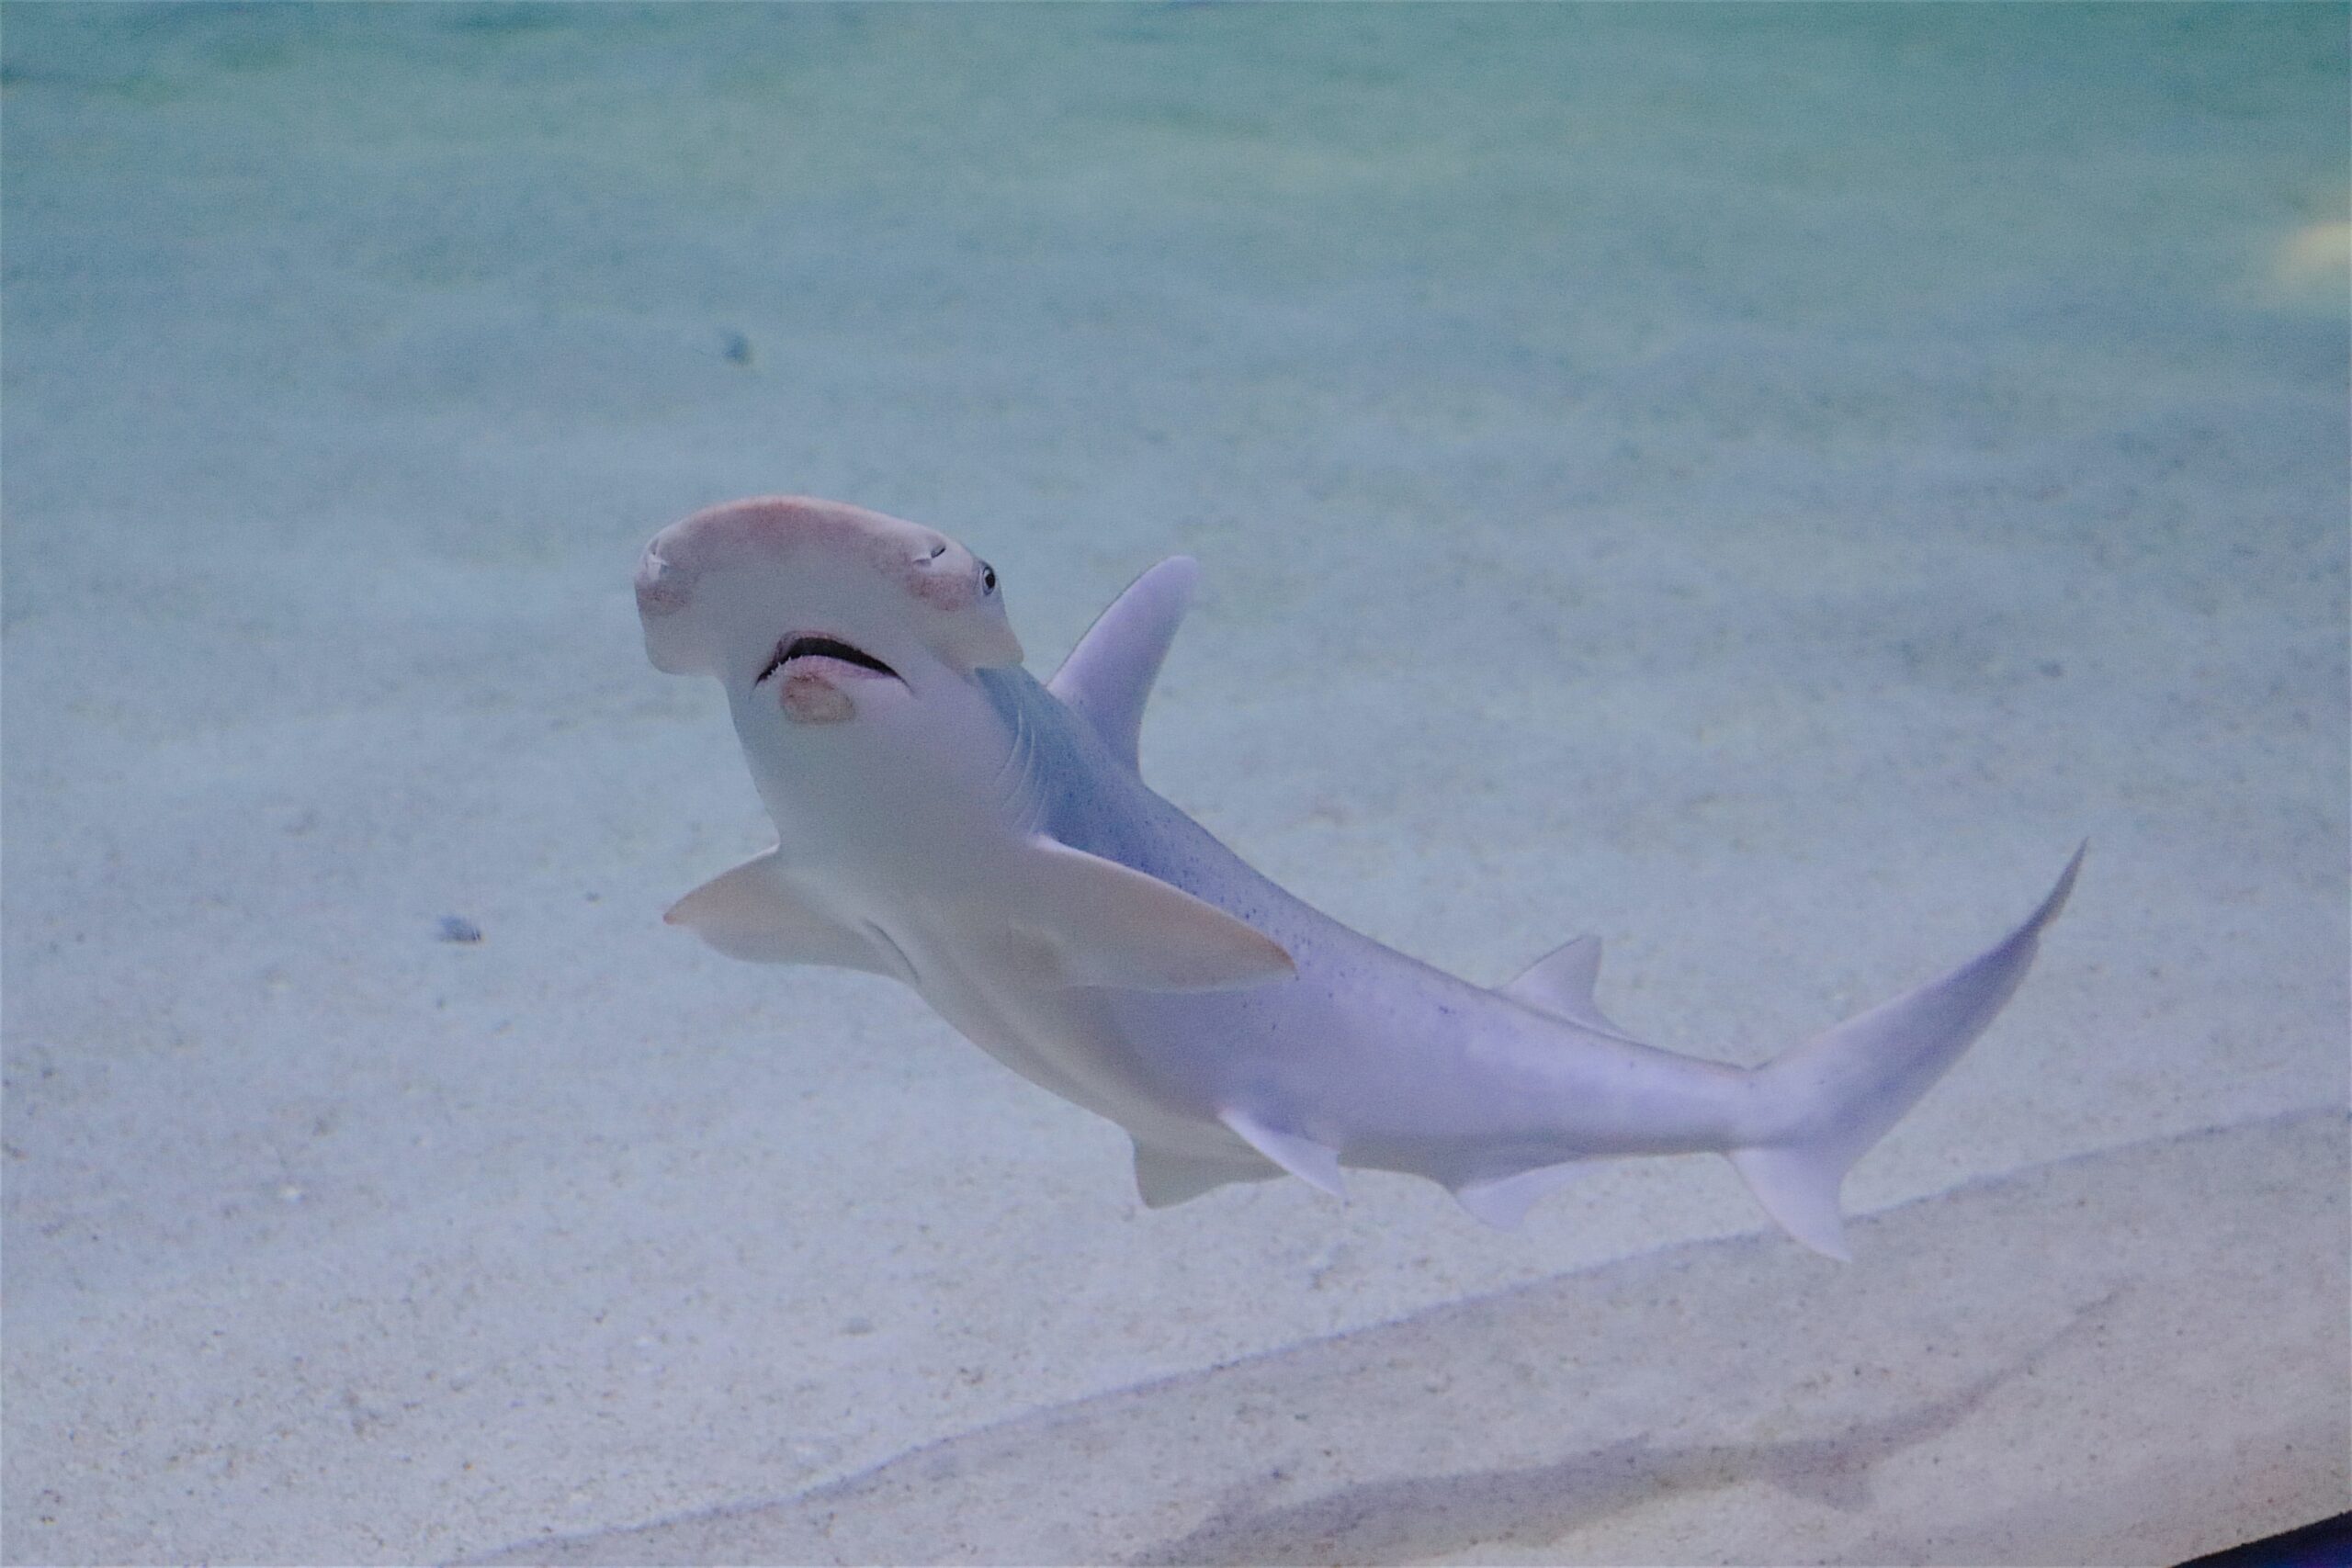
column 1833, row 1096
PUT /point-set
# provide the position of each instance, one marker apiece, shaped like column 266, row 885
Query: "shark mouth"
column 823, row 648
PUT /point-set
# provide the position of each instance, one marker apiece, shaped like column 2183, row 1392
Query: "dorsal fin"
column 1561, row 983
column 1108, row 676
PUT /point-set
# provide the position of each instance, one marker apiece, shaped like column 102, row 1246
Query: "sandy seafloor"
column 1759, row 485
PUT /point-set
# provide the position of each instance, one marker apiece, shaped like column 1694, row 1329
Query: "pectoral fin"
column 1165, row 1179
column 753, row 912
column 1100, row 924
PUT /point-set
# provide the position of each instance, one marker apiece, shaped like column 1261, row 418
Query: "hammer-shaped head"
column 792, row 588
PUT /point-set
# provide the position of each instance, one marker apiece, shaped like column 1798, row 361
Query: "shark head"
column 833, row 606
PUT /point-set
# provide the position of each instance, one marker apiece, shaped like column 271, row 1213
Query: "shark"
column 947, row 821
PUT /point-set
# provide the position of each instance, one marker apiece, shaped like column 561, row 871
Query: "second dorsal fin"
column 1560, row 984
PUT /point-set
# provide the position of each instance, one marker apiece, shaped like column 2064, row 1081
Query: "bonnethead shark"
column 944, row 819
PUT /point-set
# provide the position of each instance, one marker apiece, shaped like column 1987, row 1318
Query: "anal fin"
column 1504, row 1202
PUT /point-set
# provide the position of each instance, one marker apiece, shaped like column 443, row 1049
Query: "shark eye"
column 988, row 577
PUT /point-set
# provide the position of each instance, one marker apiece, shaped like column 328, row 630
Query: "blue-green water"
column 1758, row 484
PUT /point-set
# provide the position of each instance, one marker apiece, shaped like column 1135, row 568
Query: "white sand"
column 1869, row 1416
column 1759, row 485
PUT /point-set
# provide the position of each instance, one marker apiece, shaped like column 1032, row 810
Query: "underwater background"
column 1758, row 484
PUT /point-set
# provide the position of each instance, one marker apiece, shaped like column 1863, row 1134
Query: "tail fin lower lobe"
column 1836, row 1095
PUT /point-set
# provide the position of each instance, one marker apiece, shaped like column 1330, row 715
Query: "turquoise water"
column 1756, row 484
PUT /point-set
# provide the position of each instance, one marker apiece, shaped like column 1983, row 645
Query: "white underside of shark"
column 944, row 819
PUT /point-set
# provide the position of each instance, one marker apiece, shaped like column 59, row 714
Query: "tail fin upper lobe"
column 1837, row 1094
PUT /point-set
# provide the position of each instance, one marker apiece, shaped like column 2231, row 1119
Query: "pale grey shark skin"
column 946, row 820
